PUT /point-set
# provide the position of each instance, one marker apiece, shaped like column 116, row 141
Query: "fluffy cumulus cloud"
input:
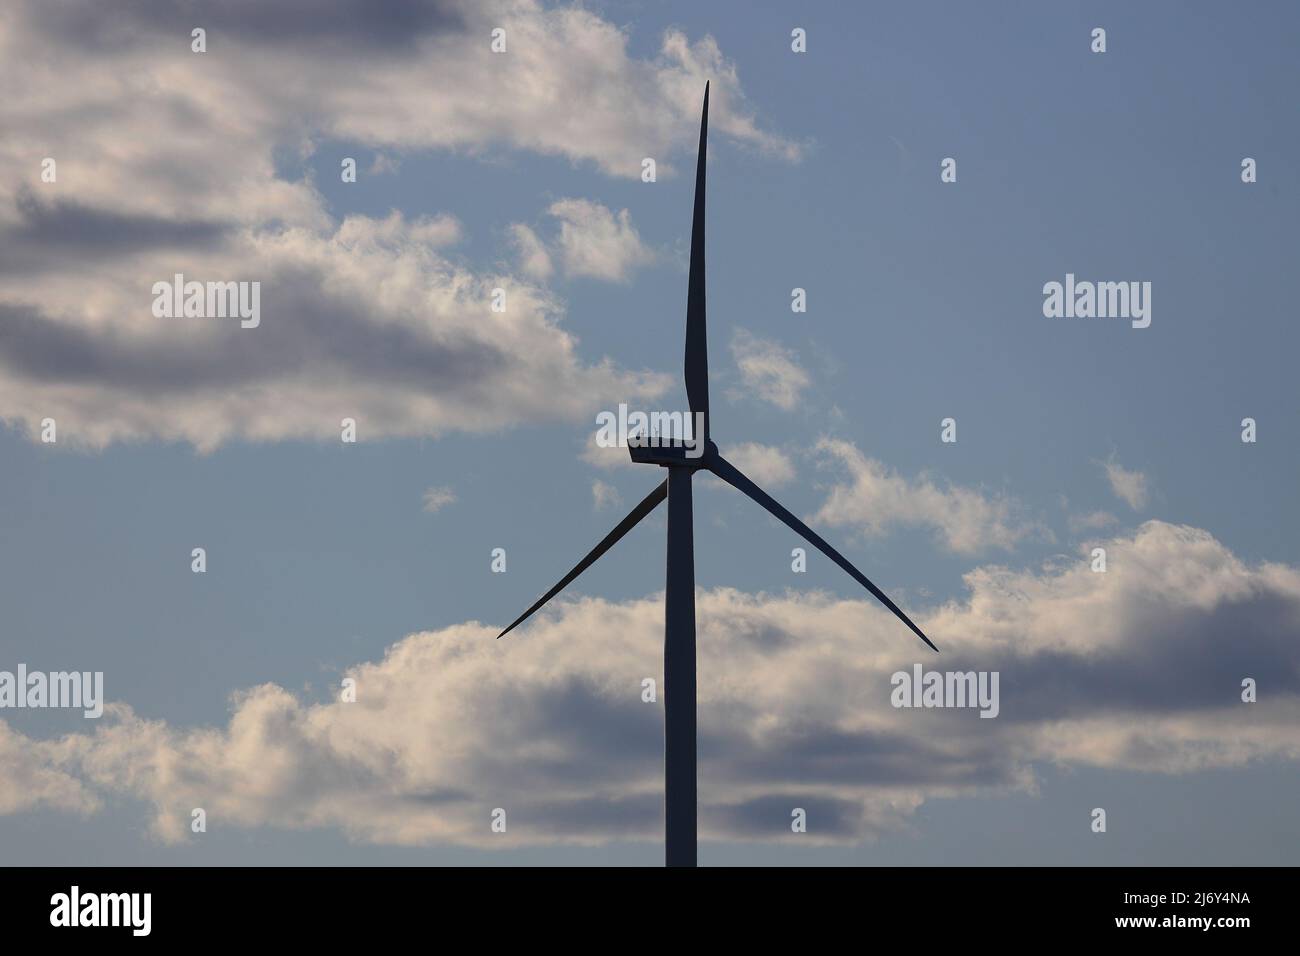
column 35, row 778
column 1138, row 668
column 596, row 242
column 591, row 241
column 170, row 161
column 875, row 499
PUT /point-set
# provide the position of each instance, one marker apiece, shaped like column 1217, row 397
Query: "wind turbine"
column 679, row 594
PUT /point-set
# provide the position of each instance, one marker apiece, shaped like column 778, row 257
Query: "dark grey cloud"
column 52, row 235
column 763, row 817
column 825, row 754
column 1174, row 660
column 638, row 815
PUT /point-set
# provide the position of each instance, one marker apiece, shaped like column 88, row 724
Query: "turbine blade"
column 697, row 347
column 647, row 505
column 737, row 479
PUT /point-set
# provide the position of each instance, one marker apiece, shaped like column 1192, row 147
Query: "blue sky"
column 925, row 302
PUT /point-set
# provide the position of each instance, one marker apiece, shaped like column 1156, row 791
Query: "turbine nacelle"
column 673, row 454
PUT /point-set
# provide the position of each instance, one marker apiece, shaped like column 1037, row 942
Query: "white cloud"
column 769, row 370
column 1136, row 669
column 397, row 234
column 592, row 241
column 1129, row 486
column 37, row 778
column 606, row 457
column 767, row 465
column 595, row 242
column 435, row 499
column 876, row 499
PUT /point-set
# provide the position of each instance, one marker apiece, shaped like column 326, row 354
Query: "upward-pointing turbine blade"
column 697, row 346
column 736, row 478
column 647, row 505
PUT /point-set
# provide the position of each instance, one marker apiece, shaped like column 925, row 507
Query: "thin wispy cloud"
column 604, row 495
column 1091, row 521
column 435, row 499
column 383, row 164
column 1129, row 486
